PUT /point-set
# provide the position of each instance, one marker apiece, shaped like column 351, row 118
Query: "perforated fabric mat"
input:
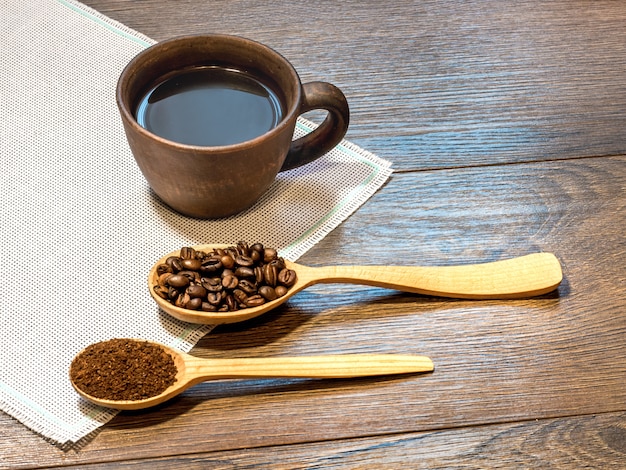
column 80, row 226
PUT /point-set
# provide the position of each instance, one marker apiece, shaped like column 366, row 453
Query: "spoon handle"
column 525, row 276
column 330, row 366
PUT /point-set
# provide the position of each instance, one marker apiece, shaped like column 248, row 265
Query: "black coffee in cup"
column 213, row 91
column 210, row 106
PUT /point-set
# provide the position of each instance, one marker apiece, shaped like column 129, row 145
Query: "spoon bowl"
column 192, row 370
column 514, row 278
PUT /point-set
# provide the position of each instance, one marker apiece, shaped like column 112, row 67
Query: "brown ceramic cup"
column 214, row 182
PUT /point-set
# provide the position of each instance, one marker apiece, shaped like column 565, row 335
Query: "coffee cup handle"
column 319, row 95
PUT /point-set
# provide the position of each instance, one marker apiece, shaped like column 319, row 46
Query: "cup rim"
column 126, row 76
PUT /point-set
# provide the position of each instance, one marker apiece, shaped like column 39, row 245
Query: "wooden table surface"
column 506, row 125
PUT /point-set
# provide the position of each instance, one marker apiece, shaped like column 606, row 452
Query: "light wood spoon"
column 521, row 277
column 192, row 370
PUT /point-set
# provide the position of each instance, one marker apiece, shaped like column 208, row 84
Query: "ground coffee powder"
column 123, row 369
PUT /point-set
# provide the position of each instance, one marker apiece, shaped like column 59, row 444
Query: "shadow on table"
column 347, row 305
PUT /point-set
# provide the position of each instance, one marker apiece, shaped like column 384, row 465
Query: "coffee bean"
column 213, row 284
column 243, row 248
column 269, row 254
column 187, row 252
column 196, row 291
column 278, row 262
column 258, row 275
column 244, row 261
column 211, row 265
column 227, row 261
column 247, row 286
column 182, row 300
column 174, row 263
column 194, row 303
column 231, row 303
column 270, row 274
column 280, row 291
column 240, row 296
column 287, row 277
column 161, row 292
column 244, row 271
column 177, row 280
column 191, row 264
column 172, row 294
column 257, row 252
column 163, row 269
column 268, row 292
column 162, row 279
column 214, row 298
column 193, row 276
column 254, row 301
column 230, row 282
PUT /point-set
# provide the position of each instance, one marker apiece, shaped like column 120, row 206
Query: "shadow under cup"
column 219, row 181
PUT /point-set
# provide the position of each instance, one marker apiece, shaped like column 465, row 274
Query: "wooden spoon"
column 192, row 370
column 522, row 277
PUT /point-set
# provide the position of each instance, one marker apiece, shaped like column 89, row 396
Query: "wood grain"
column 550, row 443
column 436, row 84
column 505, row 124
column 497, row 361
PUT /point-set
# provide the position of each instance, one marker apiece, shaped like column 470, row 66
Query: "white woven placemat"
column 80, row 227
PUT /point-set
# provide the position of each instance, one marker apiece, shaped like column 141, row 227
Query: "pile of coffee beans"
column 224, row 279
